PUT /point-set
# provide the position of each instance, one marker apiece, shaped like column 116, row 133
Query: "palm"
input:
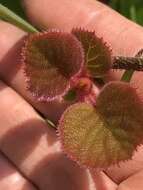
column 31, row 146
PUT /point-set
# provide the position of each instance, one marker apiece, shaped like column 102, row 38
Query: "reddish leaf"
column 51, row 59
column 106, row 134
column 97, row 54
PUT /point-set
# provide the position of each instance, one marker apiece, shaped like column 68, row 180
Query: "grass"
column 14, row 5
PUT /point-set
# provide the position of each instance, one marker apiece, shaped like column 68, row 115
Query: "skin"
column 31, row 157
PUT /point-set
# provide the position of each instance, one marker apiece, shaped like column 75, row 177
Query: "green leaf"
column 97, row 137
column 12, row 18
column 140, row 15
column 51, row 60
column 98, row 55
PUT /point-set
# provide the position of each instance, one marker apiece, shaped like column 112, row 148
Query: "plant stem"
column 128, row 63
column 11, row 17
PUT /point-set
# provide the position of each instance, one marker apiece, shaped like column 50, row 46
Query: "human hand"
column 24, row 137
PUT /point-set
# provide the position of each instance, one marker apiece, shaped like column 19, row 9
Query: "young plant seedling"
column 100, row 129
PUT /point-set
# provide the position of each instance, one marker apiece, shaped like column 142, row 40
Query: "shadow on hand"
column 21, row 141
column 5, row 167
column 57, row 172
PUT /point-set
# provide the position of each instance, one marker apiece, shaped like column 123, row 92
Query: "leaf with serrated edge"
column 97, row 137
column 98, row 58
column 51, row 59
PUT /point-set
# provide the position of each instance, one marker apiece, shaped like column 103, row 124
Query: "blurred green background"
column 132, row 9
column 14, row 5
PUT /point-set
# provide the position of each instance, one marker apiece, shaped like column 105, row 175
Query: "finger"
column 10, row 178
column 133, row 182
column 32, row 146
column 125, row 37
column 11, row 39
